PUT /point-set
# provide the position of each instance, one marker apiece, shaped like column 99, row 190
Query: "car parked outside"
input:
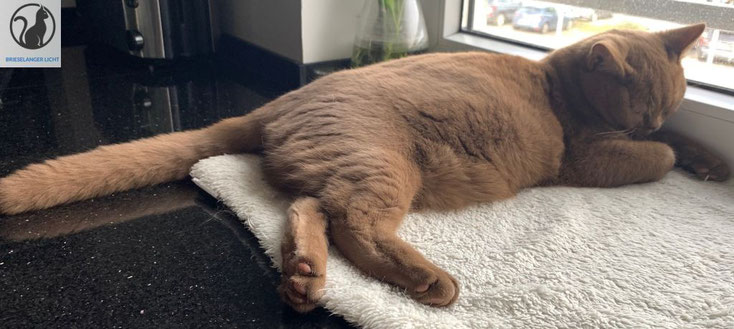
column 589, row 14
column 539, row 19
column 501, row 11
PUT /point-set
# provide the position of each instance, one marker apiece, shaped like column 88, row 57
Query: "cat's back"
column 441, row 84
column 492, row 96
column 439, row 75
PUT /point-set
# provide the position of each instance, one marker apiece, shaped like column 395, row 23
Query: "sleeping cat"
column 358, row 149
column 33, row 38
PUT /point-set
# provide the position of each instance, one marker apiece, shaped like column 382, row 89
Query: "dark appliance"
column 151, row 29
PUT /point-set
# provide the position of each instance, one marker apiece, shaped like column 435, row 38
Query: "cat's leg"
column 367, row 238
column 364, row 216
column 304, row 251
column 693, row 157
column 615, row 162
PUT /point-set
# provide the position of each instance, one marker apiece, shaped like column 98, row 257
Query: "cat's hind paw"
column 301, row 287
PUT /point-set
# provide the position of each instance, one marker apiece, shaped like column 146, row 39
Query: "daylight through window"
column 554, row 24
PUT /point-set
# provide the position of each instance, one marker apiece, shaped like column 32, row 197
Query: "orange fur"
column 114, row 168
column 361, row 148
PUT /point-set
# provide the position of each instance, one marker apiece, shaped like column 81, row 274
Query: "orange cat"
column 360, row 148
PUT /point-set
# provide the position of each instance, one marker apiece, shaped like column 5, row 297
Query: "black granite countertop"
column 165, row 256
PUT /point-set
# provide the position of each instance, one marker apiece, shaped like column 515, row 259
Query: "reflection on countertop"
column 163, row 256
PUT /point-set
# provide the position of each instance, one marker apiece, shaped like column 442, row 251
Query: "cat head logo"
column 32, row 26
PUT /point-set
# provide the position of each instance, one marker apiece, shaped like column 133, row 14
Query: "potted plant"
column 389, row 29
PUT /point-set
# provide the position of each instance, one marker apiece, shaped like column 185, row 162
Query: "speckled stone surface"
column 165, row 256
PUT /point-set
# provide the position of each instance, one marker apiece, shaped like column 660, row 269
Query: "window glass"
column 553, row 24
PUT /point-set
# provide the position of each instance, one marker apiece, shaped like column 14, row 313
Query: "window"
column 552, row 24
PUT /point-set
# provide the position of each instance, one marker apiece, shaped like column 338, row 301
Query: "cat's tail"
column 113, row 168
column 21, row 37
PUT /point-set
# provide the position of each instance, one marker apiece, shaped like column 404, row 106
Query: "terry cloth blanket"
column 657, row 255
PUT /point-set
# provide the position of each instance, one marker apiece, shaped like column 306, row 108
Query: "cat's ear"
column 677, row 41
column 604, row 56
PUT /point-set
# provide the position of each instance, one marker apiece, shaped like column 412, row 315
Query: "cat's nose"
column 656, row 124
column 652, row 126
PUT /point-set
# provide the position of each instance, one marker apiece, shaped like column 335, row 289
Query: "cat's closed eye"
column 627, row 81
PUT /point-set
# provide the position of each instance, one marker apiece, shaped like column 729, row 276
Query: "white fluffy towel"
column 657, row 255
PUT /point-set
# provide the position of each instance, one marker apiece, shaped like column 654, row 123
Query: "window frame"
column 700, row 99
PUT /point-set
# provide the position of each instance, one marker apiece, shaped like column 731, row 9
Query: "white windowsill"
column 709, row 103
column 698, row 100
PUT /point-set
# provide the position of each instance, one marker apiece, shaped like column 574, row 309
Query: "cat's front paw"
column 709, row 167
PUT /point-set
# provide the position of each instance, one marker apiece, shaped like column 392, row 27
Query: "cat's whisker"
column 622, row 131
column 612, row 132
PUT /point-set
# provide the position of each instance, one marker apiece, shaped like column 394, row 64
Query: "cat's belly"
column 451, row 180
column 454, row 177
column 519, row 145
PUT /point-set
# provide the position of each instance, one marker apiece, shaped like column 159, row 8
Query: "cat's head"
column 633, row 79
column 42, row 13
